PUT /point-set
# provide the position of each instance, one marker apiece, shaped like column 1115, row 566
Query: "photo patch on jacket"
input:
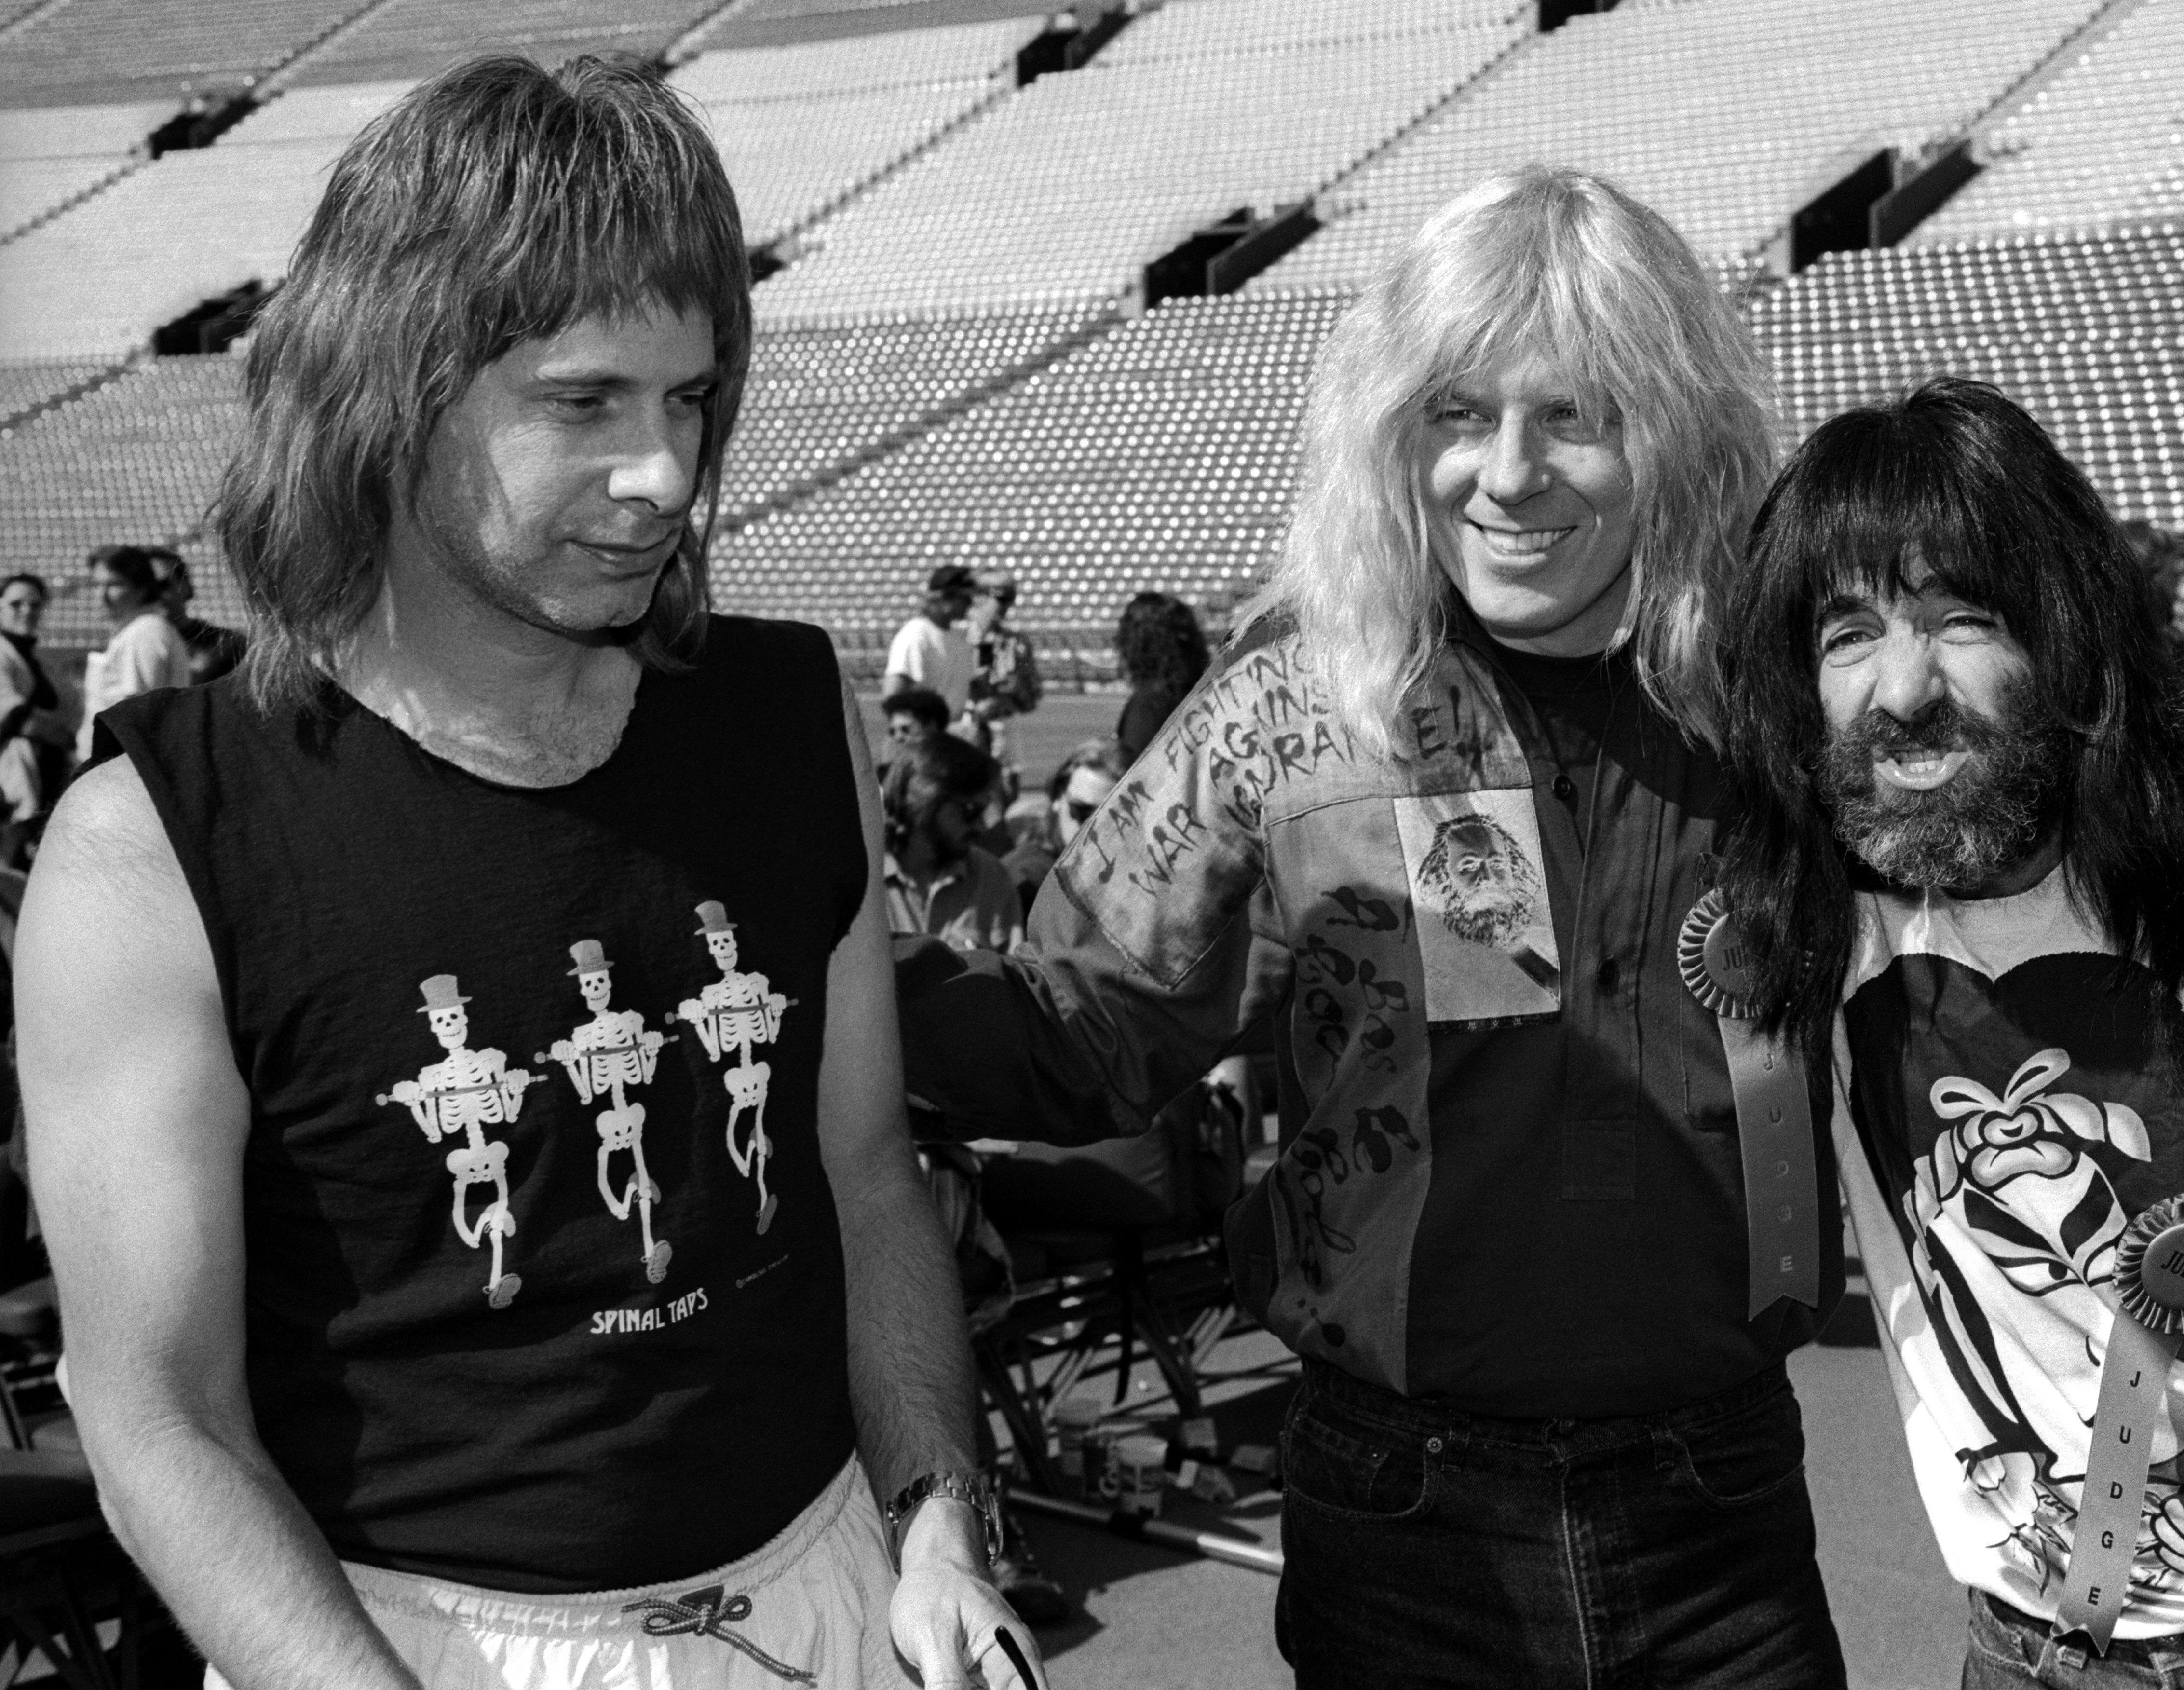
column 1485, row 931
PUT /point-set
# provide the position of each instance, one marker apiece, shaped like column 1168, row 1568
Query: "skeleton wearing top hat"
column 737, row 1012
column 466, row 1092
column 603, row 1057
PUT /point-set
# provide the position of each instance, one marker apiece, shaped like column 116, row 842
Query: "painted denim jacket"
column 1387, row 913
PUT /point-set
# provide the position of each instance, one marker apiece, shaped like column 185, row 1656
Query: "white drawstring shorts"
column 811, row 1608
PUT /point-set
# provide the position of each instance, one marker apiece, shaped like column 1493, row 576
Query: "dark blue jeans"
column 1430, row 1547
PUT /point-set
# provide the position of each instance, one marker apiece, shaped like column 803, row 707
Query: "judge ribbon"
column 1774, row 1113
column 2143, row 1341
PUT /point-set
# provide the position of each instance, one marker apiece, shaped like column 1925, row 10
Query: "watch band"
column 963, row 1486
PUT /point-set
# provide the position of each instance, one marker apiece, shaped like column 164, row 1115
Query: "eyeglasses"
column 1078, row 811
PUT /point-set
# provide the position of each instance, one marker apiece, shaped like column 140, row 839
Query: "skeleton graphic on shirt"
column 466, row 1092
column 734, row 1015
column 603, row 1058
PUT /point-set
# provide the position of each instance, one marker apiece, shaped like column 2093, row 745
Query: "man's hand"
column 947, row 1619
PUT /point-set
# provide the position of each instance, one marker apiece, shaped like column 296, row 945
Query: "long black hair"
column 1958, row 476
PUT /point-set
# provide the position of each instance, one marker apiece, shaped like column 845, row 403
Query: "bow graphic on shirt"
column 703, row 1613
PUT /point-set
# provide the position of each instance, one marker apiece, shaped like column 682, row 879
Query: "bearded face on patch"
column 1479, row 880
column 1944, row 768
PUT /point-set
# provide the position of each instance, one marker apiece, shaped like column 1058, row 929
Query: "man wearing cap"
column 354, row 1435
column 931, row 649
column 1004, row 679
column 1965, row 813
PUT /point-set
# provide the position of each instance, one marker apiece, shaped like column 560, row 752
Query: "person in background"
column 33, row 743
column 1958, row 735
column 1005, row 683
column 914, row 715
column 146, row 650
column 1078, row 788
column 1163, row 652
column 938, row 880
column 932, row 650
column 1447, row 813
column 214, row 650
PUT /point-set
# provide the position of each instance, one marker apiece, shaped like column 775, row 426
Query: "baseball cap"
column 952, row 577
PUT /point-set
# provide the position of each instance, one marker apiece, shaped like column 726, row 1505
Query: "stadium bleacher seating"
column 106, row 51
column 946, row 368
column 1202, row 29
column 2100, row 145
column 818, row 397
column 24, row 387
column 413, row 38
column 50, row 155
column 2087, row 334
column 137, row 459
column 96, row 281
column 1159, row 455
column 802, row 127
column 767, row 11
column 1725, row 118
column 1065, row 191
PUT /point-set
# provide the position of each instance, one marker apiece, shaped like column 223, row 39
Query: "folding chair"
column 1117, row 1240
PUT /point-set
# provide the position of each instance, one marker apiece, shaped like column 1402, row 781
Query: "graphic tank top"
column 544, row 1287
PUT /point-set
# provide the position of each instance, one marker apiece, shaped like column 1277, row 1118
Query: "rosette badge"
column 1711, row 956
column 2149, row 1268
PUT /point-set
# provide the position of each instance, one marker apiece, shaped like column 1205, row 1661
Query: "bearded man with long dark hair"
column 1958, row 881
column 550, row 1330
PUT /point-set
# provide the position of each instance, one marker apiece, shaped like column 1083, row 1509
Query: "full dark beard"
column 1997, row 810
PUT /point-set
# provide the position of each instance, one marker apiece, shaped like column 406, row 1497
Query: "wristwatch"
column 965, row 1486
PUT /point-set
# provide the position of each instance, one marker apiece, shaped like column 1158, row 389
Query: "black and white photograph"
column 1153, row 845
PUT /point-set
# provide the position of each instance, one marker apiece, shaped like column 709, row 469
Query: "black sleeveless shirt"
column 544, row 1287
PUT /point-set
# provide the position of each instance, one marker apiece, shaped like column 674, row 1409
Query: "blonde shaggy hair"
column 1564, row 265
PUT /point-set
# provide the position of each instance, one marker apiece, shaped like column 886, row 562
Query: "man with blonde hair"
column 1546, row 1221
column 485, row 726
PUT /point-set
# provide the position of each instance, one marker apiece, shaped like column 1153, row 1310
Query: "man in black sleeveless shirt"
column 479, row 1264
